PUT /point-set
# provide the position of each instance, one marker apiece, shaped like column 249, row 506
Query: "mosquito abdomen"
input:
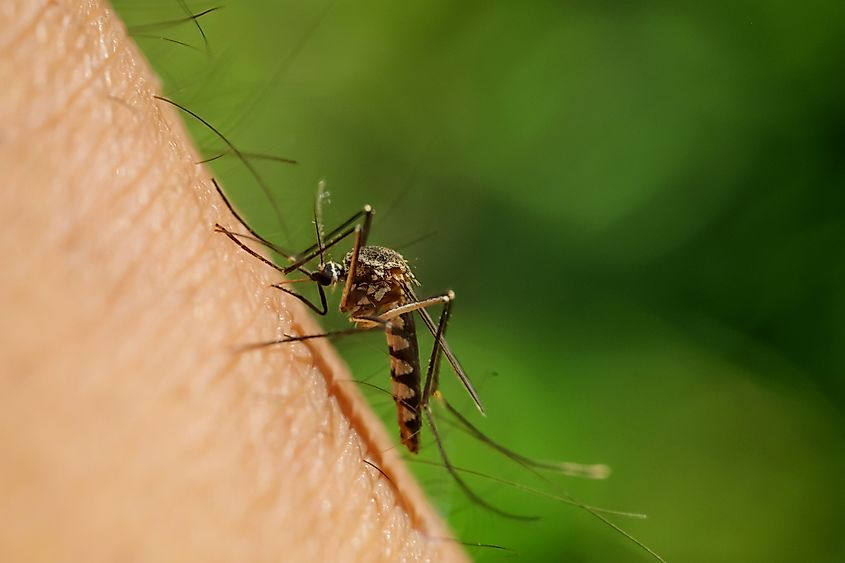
column 405, row 374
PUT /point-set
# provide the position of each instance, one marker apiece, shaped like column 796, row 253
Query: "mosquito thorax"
column 379, row 264
column 380, row 281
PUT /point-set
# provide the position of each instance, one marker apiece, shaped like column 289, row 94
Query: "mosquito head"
column 328, row 274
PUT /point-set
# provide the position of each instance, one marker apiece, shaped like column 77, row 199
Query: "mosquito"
column 378, row 292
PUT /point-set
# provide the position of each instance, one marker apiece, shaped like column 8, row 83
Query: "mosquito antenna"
column 241, row 157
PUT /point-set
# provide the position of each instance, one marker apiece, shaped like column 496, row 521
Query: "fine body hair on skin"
column 131, row 429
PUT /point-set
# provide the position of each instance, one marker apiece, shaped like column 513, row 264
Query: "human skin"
column 131, row 428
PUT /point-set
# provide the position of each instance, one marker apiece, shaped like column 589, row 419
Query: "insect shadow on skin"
column 378, row 293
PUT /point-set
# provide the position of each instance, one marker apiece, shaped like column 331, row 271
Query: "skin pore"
column 130, row 427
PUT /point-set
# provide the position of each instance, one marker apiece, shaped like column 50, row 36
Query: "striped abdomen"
column 405, row 373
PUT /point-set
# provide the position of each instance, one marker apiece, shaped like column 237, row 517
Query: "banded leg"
column 310, row 252
column 453, row 471
column 405, row 363
column 375, row 323
column 431, row 387
column 315, row 250
column 432, row 376
column 320, row 310
column 277, row 249
column 365, row 212
column 289, row 339
column 447, row 351
column 323, row 309
column 404, row 368
column 417, row 305
column 421, row 307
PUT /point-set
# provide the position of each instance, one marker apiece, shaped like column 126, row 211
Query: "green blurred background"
column 640, row 207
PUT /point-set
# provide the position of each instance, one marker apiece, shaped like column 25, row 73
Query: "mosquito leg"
column 417, row 305
column 259, row 238
column 596, row 471
column 320, row 310
column 315, row 249
column 220, row 229
column 361, row 235
column 420, row 306
column 431, row 387
column 250, row 155
column 447, row 351
column 288, row 339
column 432, row 376
column 471, row 494
column 367, row 212
column 433, row 372
column 324, row 307
column 353, row 268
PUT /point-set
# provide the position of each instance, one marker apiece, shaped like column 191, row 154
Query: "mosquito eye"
column 323, row 277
